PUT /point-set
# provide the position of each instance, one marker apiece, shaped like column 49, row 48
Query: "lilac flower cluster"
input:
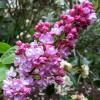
column 38, row 63
column 16, row 88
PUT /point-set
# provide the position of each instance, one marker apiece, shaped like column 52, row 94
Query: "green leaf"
column 3, row 70
column 74, row 80
column 31, row 31
column 85, row 61
column 4, row 47
column 8, row 56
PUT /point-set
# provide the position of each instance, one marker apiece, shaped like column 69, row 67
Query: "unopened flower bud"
column 67, row 66
column 6, row 10
column 17, row 36
column 85, row 71
column 21, row 34
column 28, row 36
column 27, row 21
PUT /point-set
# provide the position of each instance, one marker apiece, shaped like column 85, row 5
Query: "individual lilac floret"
column 19, row 59
column 46, row 38
column 35, row 52
column 92, row 18
column 25, row 67
column 11, row 73
column 57, row 30
column 50, row 50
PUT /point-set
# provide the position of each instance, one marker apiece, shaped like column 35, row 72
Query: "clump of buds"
column 85, row 71
column 66, row 65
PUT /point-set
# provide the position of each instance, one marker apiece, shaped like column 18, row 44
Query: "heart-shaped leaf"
column 4, row 47
column 8, row 56
column 3, row 70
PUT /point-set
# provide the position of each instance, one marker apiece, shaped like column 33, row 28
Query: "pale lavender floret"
column 46, row 39
column 27, row 80
column 86, row 10
column 57, row 30
column 19, row 59
column 34, row 44
column 51, row 50
column 29, row 53
column 6, row 84
column 25, row 67
column 11, row 73
column 34, row 53
column 92, row 18
column 39, row 51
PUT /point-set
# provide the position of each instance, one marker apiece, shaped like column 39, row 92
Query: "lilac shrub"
column 38, row 63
